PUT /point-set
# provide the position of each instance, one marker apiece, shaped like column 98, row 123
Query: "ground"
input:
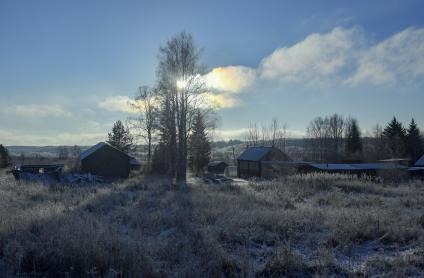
column 301, row 226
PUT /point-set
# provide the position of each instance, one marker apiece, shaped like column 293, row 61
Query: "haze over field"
column 68, row 69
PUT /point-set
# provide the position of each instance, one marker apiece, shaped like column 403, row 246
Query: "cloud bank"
column 117, row 104
column 341, row 57
column 36, row 110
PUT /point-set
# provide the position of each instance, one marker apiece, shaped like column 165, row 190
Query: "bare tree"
column 272, row 135
column 317, row 137
column 325, row 137
column 278, row 134
column 145, row 102
column 179, row 87
column 252, row 135
column 336, row 125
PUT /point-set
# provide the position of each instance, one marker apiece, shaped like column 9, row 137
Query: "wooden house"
column 107, row 161
column 217, row 167
column 250, row 162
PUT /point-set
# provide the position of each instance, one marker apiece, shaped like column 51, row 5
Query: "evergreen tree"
column 353, row 137
column 4, row 156
column 414, row 141
column 199, row 146
column 395, row 138
column 121, row 138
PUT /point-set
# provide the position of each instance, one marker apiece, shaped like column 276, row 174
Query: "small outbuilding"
column 250, row 162
column 417, row 170
column 420, row 162
column 217, row 167
column 107, row 161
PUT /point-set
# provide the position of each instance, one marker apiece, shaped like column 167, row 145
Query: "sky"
column 68, row 68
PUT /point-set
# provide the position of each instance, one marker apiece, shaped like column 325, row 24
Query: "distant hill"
column 46, row 151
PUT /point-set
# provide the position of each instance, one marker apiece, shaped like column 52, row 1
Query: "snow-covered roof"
column 416, row 169
column 254, row 153
column 91, row 150
column 332, row 166
column 97, row 147
column 420, row 162
column 288, row 162
column 356, row 166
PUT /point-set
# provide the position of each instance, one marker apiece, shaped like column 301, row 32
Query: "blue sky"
column 67, row 67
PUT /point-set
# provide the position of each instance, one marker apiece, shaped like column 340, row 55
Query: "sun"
column 181, row 84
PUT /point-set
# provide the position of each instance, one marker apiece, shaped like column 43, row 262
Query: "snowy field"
column 303, row 226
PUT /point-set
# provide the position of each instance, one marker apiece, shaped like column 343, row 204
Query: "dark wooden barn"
column 249, row 163
column 217, row 167
column 105, row 160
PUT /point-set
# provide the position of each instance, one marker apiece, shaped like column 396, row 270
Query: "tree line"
column 334, row 138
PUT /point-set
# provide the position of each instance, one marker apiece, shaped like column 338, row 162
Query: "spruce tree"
column 395, row 138
column 199, row 146
column 4, row 156
column 414, row 141
column 121, row 138
column 353, row 137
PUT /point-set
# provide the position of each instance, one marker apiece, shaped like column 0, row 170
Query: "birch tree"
column 180, row 85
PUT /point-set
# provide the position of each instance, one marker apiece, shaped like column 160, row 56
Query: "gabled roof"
column 420, row 162
column 254, row 153
column 97, row 147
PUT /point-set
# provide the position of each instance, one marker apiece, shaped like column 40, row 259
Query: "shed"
column 217, row 167
column 417, row 171
column 105, row 160
column 249, row 163
column 420, row 162
column 134, row 164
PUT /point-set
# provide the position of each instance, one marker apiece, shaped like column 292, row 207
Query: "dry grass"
column 300, row 226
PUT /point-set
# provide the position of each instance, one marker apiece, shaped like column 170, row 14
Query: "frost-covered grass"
column 313, row 225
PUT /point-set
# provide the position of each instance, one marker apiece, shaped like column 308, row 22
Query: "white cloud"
column 339, row 57
column 317, row 56
column 37, row 110
column 230, row 79
column 219, row 100
column 400, row 58
column 117, row 104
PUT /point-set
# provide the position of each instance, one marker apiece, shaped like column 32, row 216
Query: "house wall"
column 246, row 169
column 107, row 162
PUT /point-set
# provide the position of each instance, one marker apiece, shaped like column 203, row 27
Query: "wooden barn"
column 107, row 161
column 217, row 167
column 250, row 162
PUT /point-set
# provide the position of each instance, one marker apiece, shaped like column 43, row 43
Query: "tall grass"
column 310, row 225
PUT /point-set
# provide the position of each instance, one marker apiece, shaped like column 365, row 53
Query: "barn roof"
column 415, row 168
column 332, row 166
column 97, row 147
column 420, row 162
column 356, row 166
column 254, row 153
